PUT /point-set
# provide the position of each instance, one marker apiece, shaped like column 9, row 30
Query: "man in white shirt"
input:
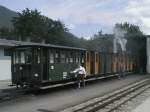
column 81, row 74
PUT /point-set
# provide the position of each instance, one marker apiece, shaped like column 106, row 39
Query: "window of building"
column 7, row 52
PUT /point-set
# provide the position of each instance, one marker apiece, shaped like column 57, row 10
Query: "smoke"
column 119, row 33
column 119, row 39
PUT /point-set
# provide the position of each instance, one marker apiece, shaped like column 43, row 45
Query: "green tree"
column 130, row 30
column 6, row 33
column 31, row 24
column 57, row 33
column 101, row 42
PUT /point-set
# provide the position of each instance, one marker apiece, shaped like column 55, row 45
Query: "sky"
column 84, row 18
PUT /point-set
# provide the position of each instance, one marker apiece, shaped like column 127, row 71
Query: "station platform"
column 144, row 107
column 5, row 84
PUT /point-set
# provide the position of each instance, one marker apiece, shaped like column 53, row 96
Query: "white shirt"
column 80, row 70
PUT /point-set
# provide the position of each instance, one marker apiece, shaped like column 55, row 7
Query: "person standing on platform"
column 80, row 75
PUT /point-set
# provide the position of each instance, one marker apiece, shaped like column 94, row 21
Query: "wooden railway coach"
column 44, row 64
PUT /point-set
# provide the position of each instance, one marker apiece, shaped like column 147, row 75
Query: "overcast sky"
column 86, row 17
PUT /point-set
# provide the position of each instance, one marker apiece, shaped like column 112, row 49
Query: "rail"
column 111, row 101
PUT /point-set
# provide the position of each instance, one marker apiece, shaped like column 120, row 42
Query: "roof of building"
column 14, row 43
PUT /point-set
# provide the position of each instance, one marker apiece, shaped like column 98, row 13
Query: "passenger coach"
column 42, row 64
column 37, row 65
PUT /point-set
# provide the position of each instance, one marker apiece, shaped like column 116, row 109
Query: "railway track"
column 113, row 100
column 9, row 94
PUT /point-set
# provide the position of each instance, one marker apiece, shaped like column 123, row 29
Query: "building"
column 5, row 57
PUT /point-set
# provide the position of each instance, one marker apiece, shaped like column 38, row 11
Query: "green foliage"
column 30, row 24
column 72, row 40
column 101, row 42
column 131, row 30
column 7, row 33
column 4, row 31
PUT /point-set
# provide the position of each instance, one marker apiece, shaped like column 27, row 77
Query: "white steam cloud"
column 119, row 39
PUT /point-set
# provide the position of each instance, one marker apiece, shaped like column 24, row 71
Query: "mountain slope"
column 6, row 16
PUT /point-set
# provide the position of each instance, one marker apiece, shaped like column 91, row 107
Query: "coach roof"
column 14, row 43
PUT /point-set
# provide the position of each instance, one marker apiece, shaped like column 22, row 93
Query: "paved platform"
column 57, row 99
column 144, row 107
column 4, row 84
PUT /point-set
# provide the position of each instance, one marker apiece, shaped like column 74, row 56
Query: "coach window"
column 37, row 56
column 71, row 57
column 67, row 60
column 28, row 56
column 71, row 60
column 82, row 59
column 62, row 57
column 22, row 57
column 39, row 59
column 16, row 57
column 57, row 57
column 51, row 57
column 66, row 56
column 77, row 58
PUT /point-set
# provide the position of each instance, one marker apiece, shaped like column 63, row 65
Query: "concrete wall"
column 5, row 66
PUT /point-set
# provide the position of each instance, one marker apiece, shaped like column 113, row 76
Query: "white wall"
column 5, row 66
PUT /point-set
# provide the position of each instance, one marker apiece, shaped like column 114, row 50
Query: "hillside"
column 6, row 16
